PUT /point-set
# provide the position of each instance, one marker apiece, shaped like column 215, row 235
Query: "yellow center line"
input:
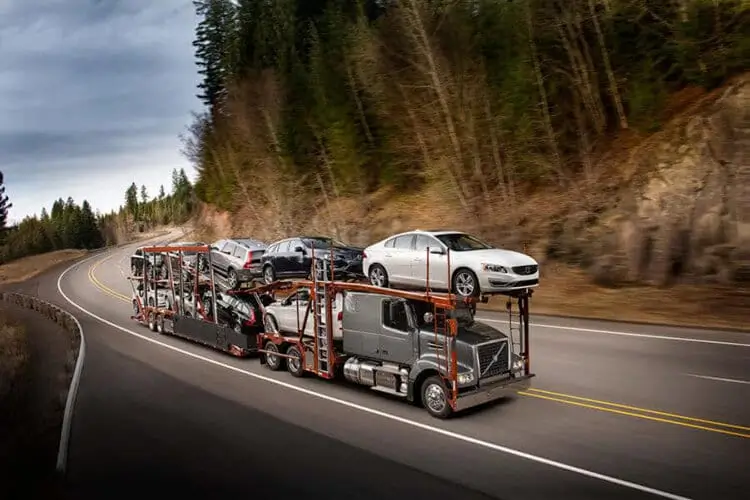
column 641, row 410
column 101, row 286
column 636, row 415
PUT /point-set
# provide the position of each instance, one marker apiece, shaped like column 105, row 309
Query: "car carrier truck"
column 426, row 348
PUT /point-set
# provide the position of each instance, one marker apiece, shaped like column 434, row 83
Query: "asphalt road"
column 617, row 411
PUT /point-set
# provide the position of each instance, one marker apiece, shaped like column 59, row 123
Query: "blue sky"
column 93, row 96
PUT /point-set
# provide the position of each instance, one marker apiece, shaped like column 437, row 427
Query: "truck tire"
column 435, row 397
column 160, row 323
column 294, row 364
column 274, row 363
column 151, row 321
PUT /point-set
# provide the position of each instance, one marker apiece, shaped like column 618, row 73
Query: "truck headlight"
column 465, row 378
column 517, row 365
column 494, row 268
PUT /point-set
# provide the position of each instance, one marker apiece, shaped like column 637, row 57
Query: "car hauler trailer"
column 188, row 317
column 421, row 346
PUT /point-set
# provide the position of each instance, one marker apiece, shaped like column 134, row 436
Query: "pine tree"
column 131, row 201
column 144, row 194
column 215, row 48
column 4, row 205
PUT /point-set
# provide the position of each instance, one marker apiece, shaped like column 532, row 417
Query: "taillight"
column 249, row 260
column 251, row 320
column 364, row 255
column 340, row 316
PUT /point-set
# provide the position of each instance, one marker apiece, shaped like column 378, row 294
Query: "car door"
column 288, row 314
column 399, row 258
column 298, row 258
column 225, row 256
column 396, row 341
column 281, row 259
column 438, row 263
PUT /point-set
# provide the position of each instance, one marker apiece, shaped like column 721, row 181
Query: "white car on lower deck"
column 476, row 267
column 287, row 315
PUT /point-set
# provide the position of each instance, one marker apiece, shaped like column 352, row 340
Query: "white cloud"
column 93, row 96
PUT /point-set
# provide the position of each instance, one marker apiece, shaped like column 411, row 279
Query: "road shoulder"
column 32, row 428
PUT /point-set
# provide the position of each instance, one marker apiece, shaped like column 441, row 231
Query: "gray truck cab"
column 398, row 346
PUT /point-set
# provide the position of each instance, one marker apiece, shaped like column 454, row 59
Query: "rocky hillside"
column 672, row 206
column 607, row 139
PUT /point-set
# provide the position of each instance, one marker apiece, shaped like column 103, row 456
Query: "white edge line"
column 371, row 411
column 627, row 334
column 719, row 379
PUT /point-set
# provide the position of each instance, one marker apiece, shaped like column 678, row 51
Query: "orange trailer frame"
column 327, row 289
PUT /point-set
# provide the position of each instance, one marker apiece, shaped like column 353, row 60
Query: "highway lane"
column 692, row 462
column 701, row 373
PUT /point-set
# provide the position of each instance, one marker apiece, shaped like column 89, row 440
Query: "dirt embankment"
column 659, row 233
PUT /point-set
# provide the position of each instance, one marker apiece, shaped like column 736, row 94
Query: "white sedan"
column 288, row 314
column 476, row 267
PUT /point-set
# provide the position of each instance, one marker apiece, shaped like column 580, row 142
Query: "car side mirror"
column 299, row 249
column 437, row 251
column 428, row 317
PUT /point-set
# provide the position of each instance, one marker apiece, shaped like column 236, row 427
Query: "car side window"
column 423, row 241
column 228, row 247
column 394, row 315
column 284, row 246
column 239, row 252
column 390, row 243
column 404, row 242
column 271, row 249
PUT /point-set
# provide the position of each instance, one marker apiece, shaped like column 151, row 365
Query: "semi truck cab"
column 398, row 346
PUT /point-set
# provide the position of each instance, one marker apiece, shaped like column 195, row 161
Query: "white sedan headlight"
column 494, row 268
column 465, row 378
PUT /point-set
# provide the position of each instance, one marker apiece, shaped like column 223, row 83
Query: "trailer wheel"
column 274, row 363
column 136, row 312
column 160, row 323
column 435, row 397
column 294, row 363
column 151, row 321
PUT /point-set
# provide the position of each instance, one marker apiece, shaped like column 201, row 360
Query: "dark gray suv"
column 237, row 259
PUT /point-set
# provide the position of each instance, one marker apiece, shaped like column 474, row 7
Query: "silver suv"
column 238, row 260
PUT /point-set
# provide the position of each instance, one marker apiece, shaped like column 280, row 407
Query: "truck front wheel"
column 435, row 397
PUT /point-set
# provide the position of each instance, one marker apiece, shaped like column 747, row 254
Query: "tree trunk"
column 615, row 93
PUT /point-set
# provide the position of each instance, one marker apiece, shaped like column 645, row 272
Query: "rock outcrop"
column 686, row 212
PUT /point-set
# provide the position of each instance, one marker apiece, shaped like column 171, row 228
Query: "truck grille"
column 525, row 270
column 487, row 354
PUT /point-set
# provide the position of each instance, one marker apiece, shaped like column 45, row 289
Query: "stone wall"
column 61, row 317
